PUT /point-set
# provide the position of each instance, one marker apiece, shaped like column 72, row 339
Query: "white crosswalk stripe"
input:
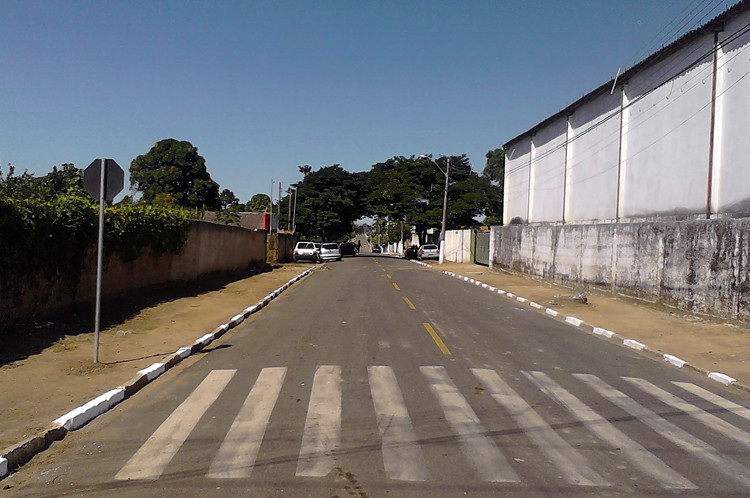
column 239, row 450
column 706, row 418
column 322, row 434
column 604, row 430
column 151, row 459
column 404, row 456
column 575, row 468
column 717, row 400
column 678, row 436
column 487, row 459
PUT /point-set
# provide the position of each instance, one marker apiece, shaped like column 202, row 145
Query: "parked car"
column 330, row 252
column 348, row 249
column 411, row 252
column 377, row 249
column 429, row 251
column 306, row 251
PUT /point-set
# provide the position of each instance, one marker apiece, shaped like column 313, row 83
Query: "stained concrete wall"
column 209, row 248
column 699, row 265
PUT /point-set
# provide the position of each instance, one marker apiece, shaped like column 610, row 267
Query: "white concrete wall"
column 666, row 137
column 458, row 246
column 593, row 160
column 731, row 185
column 642, row 149
column 516, row 186
column 547, row 178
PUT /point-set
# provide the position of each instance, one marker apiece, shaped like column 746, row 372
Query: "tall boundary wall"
column 698, row 265
column 458, row 246
column 210, row 248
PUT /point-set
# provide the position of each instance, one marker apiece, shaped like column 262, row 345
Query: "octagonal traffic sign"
column 114, row 178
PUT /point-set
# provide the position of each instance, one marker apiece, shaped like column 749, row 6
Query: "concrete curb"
column 14, row 456
column 606, row 334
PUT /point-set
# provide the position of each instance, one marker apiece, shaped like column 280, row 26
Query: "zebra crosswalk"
column 404, row 455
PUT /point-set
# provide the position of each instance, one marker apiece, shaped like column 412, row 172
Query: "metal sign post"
column 99, row 259
column 103, row 179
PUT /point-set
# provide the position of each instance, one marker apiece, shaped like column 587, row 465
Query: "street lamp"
column 447, row 173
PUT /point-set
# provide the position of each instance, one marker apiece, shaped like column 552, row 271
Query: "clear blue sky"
column 261, row 87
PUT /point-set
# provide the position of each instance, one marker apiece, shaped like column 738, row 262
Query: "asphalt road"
column 376, row 377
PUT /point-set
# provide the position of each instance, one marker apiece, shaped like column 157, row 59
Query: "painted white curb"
column 3, row 467
column 551, row 312
column 720, row 377
column 153, row 371
column 674, row 360
column 606, row 333
column 574, row 321
column 206, row 339
column 633, row 344
column 79, row 417
column 237, row 319
column 183, row 352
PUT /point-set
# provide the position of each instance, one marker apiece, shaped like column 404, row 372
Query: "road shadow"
column 33, row 335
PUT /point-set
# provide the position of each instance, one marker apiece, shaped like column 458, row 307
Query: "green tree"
column 494, row 168
column 68, row 180
column 329, row 201
column 228, row 200
column 259, row 203
column 176, row 169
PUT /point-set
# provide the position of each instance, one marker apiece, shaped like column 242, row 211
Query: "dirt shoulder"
column 705, row 342
column 44, row 382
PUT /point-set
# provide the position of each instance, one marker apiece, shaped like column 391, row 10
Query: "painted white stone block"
column 674, row 360
column 720, row 377
column 606, row 333
column 79, row 417
column 631, row 343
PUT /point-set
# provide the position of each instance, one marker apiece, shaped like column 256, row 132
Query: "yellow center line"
column 436, row 338
column 388, row 275
column 396, row 286
column 409, row 303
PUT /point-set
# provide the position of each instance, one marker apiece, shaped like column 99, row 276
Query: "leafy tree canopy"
column 68, row 180
column 228, row 200
column 329, row 201
column 176, row 169
column 412, row 190
column 259, row 203
column 494, row 168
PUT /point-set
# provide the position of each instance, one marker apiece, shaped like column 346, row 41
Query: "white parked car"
column 428, row 251
column 329, row 251
column 306, row 251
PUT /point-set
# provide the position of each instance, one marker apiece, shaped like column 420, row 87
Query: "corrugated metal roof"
column 652, row 59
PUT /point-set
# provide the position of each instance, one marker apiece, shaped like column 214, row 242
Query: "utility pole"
column 289, row 218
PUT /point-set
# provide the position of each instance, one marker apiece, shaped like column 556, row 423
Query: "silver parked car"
column 330, row 252
column 429, row 251
column 306, row 251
